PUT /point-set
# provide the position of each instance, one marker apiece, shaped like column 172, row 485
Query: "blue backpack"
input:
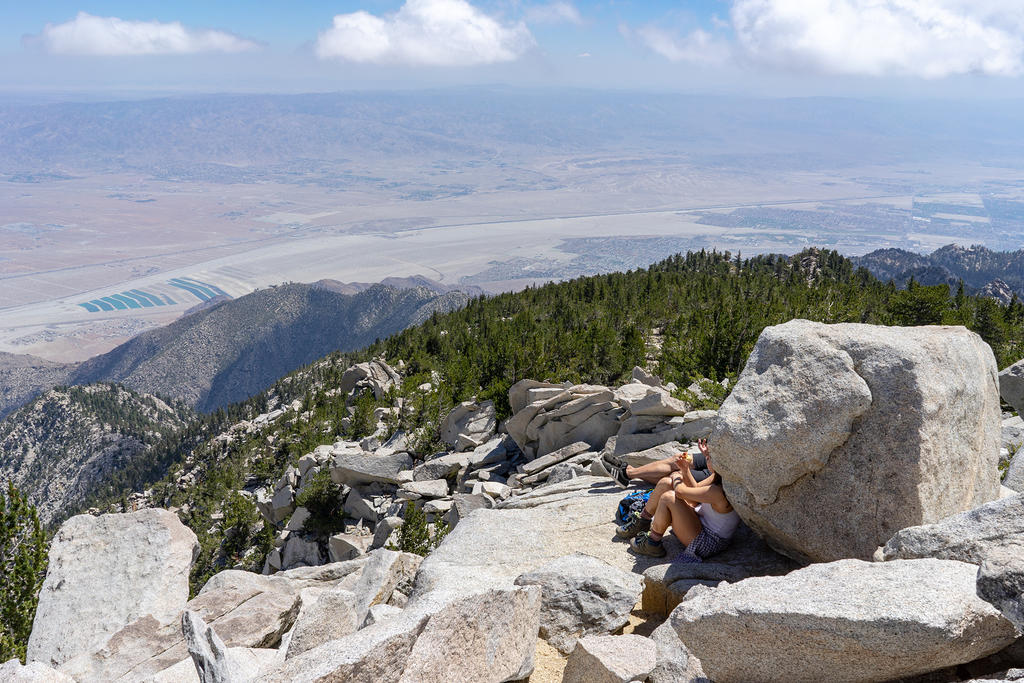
column 633, row 502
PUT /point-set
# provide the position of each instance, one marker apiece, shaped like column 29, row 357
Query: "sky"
column 957, row 48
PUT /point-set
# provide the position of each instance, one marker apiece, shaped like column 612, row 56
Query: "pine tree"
column 23, row 558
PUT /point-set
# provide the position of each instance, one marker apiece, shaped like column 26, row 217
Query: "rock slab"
column 611, row 659
column 842, row 621
column 837, row 436
column 143, row 558
column 582, row 595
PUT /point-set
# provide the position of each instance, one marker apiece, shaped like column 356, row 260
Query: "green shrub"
column 414, row 536
column 322, row 498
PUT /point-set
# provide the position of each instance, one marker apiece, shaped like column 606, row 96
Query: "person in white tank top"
column 698, row 513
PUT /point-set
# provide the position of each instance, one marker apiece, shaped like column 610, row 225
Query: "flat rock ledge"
column 843, row 621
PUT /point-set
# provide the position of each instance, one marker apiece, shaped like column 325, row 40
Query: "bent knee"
column 668, row 497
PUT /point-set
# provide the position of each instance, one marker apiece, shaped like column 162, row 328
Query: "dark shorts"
column 699, row 467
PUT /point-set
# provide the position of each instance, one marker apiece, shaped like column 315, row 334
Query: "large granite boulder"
column 476, row 637
column 1011, row 385
column 106, row 572
column 375, row 375
column 968, row 536
column 837, row 436
column 581, row 596
column 842, row 621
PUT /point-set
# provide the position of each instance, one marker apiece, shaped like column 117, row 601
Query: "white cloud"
column 697, row 47
column 923, row 38
column 425, row 32
column 91, row 35
column 554, row 13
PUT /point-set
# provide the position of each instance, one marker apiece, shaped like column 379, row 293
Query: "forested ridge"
column 689, row 316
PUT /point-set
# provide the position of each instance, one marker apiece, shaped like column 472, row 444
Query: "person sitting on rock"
column 654, row 472
column 699, row 513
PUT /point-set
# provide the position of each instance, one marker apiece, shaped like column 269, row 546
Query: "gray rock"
column 748, row 555
column 1014, row 479
column 358, row 506
column 611, row 659
column 353, row 470
column 208, row 651
column 12, row 671
column 437, row 506
column 463, row 504
column 370, row 655
column 555, row 457
column 300, row 552
column 674, row 664
column 643, row 377
column 519, row 393
column 660, row 405
column 837, row 436
column 845, row 620
column 343, row 547
column 562, row 472
column 143, row 558
column 1001, row 582
column 1013, row 432
column 382, row 574
column 582, row 595
column 297, row 520
column 469, row 425
column 282, row 504
column 247, row 610
column 431, row 488
column 489, row 636
column 375, row 375
column 378, row 613
column 442, row 467
column 968, row 537
column 1011, row 385
column 490, row 548
column 324, row 615
column 383, row 531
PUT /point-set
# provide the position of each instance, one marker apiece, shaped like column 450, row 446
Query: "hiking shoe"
column 633, row 525
column 618, row 473
column 643, row 545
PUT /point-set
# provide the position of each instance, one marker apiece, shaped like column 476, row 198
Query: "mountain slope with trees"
column 228, row 352
column 690, row 316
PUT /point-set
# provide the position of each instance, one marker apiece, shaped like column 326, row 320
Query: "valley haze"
column 150, row 207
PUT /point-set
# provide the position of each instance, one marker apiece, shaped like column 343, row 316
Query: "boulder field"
column 868, row 553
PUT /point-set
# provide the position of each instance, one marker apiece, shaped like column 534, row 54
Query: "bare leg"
column 680, row 516
column 654, row 471
column 664, row 485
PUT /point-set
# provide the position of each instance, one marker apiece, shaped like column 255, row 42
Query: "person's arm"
column 695, row 494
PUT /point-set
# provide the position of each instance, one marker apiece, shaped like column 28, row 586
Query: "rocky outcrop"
column 968, row 537
column 842, row 621
column 837, row 436
column 70, row 441
column 142, row 560
column 1011, row 385
column 547, row 417
column 469, row 425
column 581, row 596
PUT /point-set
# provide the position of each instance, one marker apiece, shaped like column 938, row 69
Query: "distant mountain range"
column 999, row 274
column 228, row 351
